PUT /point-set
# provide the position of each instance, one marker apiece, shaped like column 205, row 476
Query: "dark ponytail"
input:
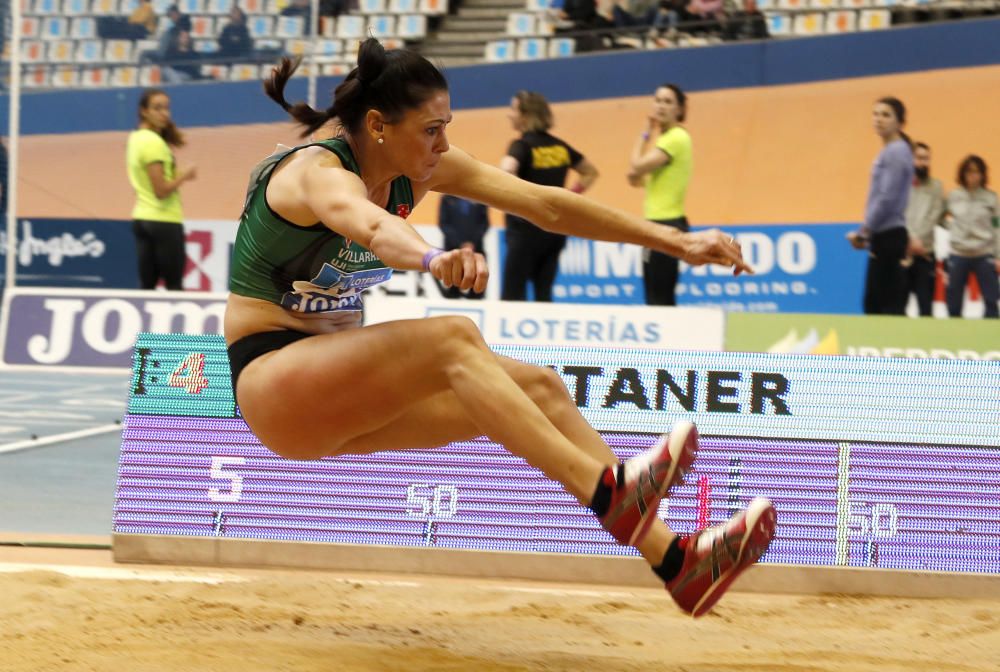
column 900, row 111
column 391, row 82
column 302, row 112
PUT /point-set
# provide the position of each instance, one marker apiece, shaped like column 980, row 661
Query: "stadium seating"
column 60, row 46
column 783, row 18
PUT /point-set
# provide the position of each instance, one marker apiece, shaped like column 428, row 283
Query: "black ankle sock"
column 673, row 559
column 601, row 500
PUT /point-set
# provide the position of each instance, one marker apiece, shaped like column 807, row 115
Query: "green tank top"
column 305, row 269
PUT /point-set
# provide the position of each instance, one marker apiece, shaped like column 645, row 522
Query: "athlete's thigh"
column 441, row 418
column 317, row 393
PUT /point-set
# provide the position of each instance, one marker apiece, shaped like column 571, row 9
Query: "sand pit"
column 151, row 619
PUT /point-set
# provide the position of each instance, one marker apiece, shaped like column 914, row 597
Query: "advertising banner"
column 515, row 322
column 209, row 246
column 74, row 253
column 799, row 268
column 97, row 329
column 867, row 336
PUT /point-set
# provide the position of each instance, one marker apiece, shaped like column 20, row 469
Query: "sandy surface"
column 249, row 621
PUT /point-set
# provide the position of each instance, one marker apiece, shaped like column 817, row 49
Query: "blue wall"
column 774, row 62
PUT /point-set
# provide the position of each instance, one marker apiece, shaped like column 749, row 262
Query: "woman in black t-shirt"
column 539, row 157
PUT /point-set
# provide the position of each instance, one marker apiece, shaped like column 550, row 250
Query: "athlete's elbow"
column 547, row 213
column 371, row 235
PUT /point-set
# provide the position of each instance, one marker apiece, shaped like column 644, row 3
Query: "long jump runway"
column 76, row 610
column 60, row 435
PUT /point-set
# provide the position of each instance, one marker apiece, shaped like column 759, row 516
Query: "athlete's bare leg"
column 419, row 384
column 441, row 419
column 315, row 396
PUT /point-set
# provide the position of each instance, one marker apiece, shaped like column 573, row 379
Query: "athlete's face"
column 884, row 120
column 157, row 113
column 666, row 108
column 419, row 139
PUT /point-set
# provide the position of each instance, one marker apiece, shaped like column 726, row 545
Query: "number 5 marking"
column 220, row 474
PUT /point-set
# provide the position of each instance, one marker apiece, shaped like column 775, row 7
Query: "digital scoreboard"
column 889, row 463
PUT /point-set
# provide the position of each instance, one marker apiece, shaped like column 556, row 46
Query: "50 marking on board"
column 220, row 473
column 431, row 501
column 883, row 523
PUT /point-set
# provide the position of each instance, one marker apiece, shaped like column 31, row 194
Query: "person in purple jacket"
column 884, row 228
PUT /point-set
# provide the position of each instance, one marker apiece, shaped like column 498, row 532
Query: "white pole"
column 313, row 38
column 13, row 136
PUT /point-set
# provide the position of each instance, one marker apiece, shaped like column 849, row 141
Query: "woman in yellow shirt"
column 158, row 220
column 661, row 161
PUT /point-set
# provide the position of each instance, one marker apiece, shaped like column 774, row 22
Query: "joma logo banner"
column 90, row 328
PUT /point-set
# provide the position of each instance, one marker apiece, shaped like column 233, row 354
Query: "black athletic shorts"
column 249, row 348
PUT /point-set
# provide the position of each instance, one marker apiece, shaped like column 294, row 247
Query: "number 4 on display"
column 190, row 374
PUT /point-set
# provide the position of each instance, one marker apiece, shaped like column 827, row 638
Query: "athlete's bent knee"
column 546, row 385
column 457, row 331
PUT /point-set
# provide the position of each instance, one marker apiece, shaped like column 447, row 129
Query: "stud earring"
column 380, row 141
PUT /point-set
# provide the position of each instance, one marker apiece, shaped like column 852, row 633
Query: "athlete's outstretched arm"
column 562, row 211
column 339, row 199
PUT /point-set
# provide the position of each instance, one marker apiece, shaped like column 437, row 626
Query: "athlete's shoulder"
column 145, row 136
column 679, row 132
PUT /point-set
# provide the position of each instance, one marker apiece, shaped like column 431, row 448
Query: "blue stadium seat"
column 83, row 28
column 89, row 51
column 381, row 26
column 501, row 51
column 412, row 26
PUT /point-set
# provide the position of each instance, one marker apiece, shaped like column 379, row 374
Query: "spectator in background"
column 923, row 212
column 158, row 220
column 975, row 238
column 638, row 13
column 301, row 8
column 749, row 24
column 884, row 228
column 671, row 16
column 145, row 16
column 336, row 7
column 539, row 157
column 178, row 23
column 691, row 17
column 234, row 40
column 464, row 224
column 140, row 24
column 181, row 63
column 582, row 15
column 661, row 161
